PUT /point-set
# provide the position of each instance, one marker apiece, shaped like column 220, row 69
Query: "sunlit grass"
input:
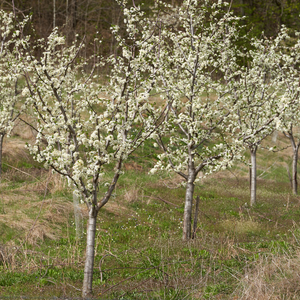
column 139, row 251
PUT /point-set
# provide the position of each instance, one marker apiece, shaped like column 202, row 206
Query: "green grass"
column 139, row 251
column 147, row 236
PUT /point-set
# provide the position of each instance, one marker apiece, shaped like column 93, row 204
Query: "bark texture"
column 253, row 176
column 1, row 149
column 90, row 253
column 188, row 206
column 295, row 173
column 290, row 134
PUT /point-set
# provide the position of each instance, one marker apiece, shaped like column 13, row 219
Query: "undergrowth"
column 238, row 252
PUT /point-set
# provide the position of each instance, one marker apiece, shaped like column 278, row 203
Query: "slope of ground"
column 238, row 253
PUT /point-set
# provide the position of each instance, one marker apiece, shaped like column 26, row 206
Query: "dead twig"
column 163, row 200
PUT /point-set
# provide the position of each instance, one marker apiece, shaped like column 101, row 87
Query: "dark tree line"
column 268, row 15
column 89, row 18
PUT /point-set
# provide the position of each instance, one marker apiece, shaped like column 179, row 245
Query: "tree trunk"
column 294, row 177
column 54, row 14
column 71, row 20
column 67, row 21
column 253, row 176
column 294, row 182
column 189, row 193
column 90, row 253
column 187, row 217
column 1, row 149
column 242, row 9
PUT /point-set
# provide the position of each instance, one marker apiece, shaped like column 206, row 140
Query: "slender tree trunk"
column 94, row 208
column 1, row 149
column 90, row 253
column 242, row 7
column 74, row 14
column 253, row 176
column 71, row 20
column 189, row 193
column 294, row 182
column 187, row 217
column 54, row 14
column 67, row 21
column 112, row 36
column 294, row 177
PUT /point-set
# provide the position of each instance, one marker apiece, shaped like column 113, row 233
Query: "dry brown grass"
column 112, row 207
column 14, row 150
column 272, row 277
column 22, row 130
column 19, row 258
column 28, row 210
column 33, row 219
column 132, row 194
column 240, row 227
column 56, row 183
column 174, row 181
column 42, row 182
column 132, row 166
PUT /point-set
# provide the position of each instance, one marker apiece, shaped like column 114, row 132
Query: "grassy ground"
column 238, row 253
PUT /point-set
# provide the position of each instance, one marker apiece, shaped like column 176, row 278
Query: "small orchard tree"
column 261, row 94
column 81, row 133
column 289, row 123
column 291, row 131
column 11, row 40
column 197, row 48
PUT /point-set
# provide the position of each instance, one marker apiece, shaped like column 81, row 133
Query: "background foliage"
column 89, row 17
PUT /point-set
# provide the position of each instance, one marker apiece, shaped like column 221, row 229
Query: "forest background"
column 95, row 17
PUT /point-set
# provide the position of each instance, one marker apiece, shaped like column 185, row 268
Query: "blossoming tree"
column 197, row 46
column 262, row 94
column 81, row 133
column 289, row 123
column 291, row 131
column 11, row 39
